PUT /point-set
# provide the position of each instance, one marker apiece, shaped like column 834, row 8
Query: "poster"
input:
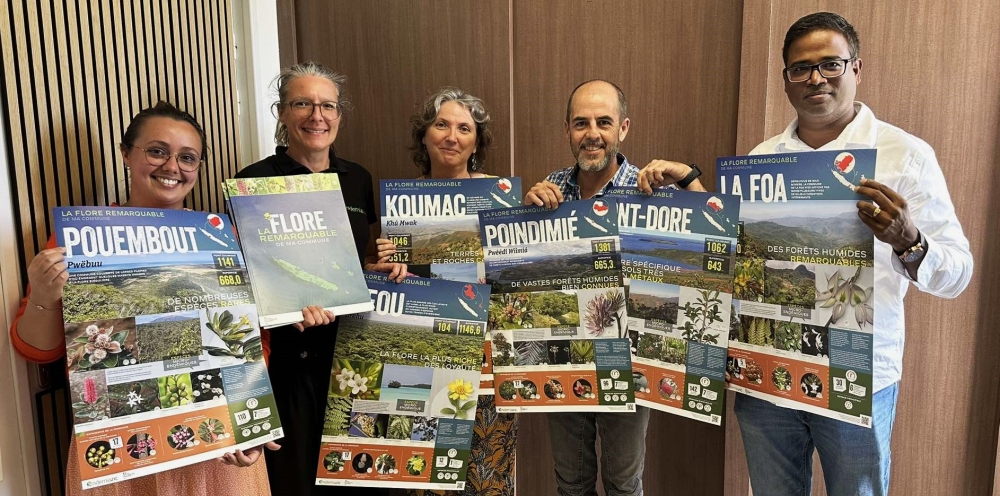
column 404, row 386
column 557, row 311
column 163, row 348
column 677, row 255
column 298, row 244
column 803, row 285
column 435, row 227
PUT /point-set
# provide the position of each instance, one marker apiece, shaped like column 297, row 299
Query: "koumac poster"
column 435, row 227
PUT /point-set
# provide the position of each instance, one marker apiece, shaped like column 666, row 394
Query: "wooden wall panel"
column 395, row 54
column 704, row 81
column 678, row 64
column 926, row 69
column 73, row 74
column 287, row 48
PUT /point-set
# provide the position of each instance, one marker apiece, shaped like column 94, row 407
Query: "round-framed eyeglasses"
column 186, row 161
column 305, row 108
column 828, row 69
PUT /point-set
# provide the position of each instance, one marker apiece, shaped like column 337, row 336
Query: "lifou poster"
column 404, row 386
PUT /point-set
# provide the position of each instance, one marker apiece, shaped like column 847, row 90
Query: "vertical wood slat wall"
column 73, row 74
column 76, row 71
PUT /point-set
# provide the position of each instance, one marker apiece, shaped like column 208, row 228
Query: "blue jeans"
column 779, row 444
column 623, row 451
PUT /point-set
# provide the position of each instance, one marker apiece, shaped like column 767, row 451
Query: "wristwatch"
column 688, row 179
column 915, row 252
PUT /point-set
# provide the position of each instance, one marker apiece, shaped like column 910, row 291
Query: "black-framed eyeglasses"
column 186, row 161
column 828, row 69
column 305, row 108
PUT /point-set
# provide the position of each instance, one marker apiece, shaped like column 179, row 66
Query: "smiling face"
column 595, row 129
column 451, row 140
column 315, row 132
column 163, row 186
column 821, row 101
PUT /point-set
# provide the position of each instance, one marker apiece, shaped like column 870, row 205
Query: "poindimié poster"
column 557, row 311
column 804, row 279
column 163, row 348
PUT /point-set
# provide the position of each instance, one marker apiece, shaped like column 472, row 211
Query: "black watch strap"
column 695, row 172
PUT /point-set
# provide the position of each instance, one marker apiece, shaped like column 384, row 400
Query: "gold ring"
column 877, row 211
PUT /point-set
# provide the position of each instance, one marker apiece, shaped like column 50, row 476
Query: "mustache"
column 821, row 90
column 587, row 143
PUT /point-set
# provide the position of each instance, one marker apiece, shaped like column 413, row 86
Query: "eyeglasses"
column 305, row 108
column 828, row 69
column 186, row 161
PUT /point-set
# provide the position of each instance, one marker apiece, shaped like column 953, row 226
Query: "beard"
column 610, row 153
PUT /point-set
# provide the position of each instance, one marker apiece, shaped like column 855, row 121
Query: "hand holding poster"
column 557, row 310
column 435, row 227
column 164, row 354
column 298, row 244
column 677, row 252
column 803, row 280
column 404, row 386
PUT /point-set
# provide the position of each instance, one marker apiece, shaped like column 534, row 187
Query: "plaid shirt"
column 627, row 175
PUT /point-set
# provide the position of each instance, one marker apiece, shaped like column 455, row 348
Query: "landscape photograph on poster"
column 682, row 253
column 816, row 231
column 401, row 340
column 172, row 335
column 441, row 239
column 562, row 260
column 534, row 310
column 138, row 289
column 653, row 301
column 322, row 266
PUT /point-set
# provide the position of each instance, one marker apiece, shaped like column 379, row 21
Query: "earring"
column 473, row 165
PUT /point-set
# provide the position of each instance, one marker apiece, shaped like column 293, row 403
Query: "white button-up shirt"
column 908, row 165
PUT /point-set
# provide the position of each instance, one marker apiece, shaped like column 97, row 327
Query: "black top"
column 355, row 183
column 288, row 344
column 300, row 362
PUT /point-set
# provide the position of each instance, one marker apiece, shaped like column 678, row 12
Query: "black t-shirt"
column 300, row 362
column 313, row 348
column 355, row 184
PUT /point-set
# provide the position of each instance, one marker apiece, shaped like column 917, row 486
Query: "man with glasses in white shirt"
column 912, row 217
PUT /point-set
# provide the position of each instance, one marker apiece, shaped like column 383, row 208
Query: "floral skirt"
column 491, row 465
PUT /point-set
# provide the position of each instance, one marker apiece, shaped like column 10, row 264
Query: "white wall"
column 255, row 29
column 18, row 456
